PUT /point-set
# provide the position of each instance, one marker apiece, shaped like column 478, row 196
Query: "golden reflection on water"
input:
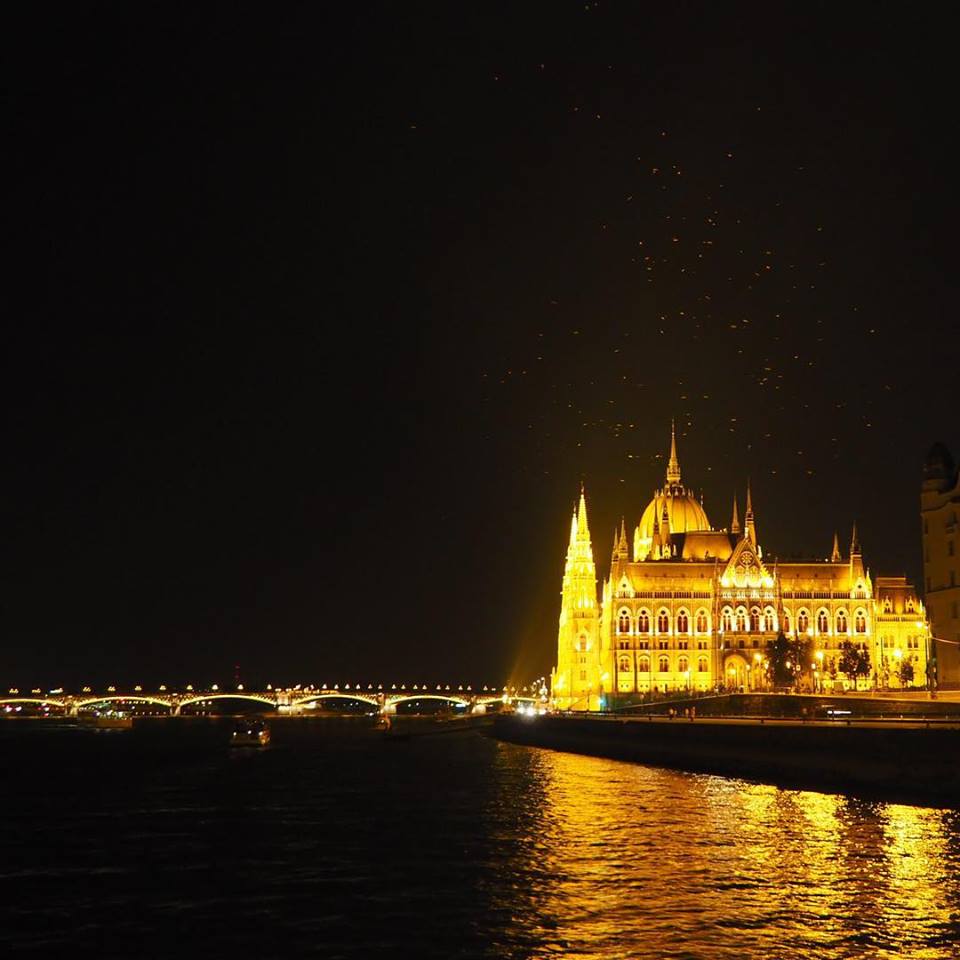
column 638, row 861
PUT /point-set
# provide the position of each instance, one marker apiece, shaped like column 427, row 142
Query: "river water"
column 452, row 846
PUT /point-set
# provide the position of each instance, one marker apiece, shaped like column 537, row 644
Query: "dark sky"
column 320, row 313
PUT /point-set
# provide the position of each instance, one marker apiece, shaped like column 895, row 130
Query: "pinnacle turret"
column 835, row 554
column 749, row 528
column 673, row 464
column 735, row 520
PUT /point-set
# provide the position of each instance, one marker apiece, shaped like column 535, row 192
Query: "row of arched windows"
column 625, row 621
column 624, row 665
column 741, row 620
column 841, row 623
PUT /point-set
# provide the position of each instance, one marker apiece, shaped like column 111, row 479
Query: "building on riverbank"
column 688, row 607
column 939, row 510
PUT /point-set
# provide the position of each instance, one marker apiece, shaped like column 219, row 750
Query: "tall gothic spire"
column 735, row 520
column 582, row 529
column 623, row 547
column 749, row 529
column 673, row 465
column 835, row 555
column 854, row 543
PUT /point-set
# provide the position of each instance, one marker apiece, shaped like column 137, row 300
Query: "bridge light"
column 13, row 690
column 163, row 687
column 111, row 689
column 269, row 686
column 239, row 686
column 403, row 686
column 214, row 687
column 379, row 686
column 85, row 690
column 190, row 687
column 137, row 688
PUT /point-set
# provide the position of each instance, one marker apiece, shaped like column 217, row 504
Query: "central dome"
column 685, row 512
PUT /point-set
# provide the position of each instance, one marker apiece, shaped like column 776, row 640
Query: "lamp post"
column 818, row 671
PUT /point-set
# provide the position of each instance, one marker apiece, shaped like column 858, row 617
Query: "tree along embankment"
column 904, row 761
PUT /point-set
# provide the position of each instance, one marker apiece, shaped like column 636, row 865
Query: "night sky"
column 318, row 315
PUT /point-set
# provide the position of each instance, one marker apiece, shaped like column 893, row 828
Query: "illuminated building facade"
column 694, row 608
column 939, row 510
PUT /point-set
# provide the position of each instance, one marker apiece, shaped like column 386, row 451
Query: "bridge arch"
column 392, row 702
column 41, row 700
column 203, row 698
column 314, row 697
column 118, row 697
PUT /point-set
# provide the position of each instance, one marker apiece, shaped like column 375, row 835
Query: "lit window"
column 702, row 665
column 644, row 623
column 841, row 621
column 861, row 622
column 664, row 665
column 701, row 621
column 623, row 624
column 822, row 621
column 663, row 622
column 644, row 665
column 726, row 619
column 683, row 622
column 683, row 665
column 741, row 620
column 803, row 621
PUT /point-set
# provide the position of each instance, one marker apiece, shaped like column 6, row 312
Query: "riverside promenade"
column 905, row 760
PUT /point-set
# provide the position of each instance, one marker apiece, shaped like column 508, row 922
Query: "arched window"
column 702, row 665
column 623, row 623
column 644, row 622
column 683, row 665
column 644, row 665
column 803, row 621
column 624, row 665
column 683, row 622
column 663, row 622
column 841, row 621
column 755, row 619
column 822, row 622
column 786, row 622
column 701, row 621
column 769, row 620
column 664, row 665
column 741, row 619
column 726, row 619
column 861, row 621
column 581, row 642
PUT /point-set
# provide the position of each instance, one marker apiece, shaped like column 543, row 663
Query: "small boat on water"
column 109, row 722
column 250, row 733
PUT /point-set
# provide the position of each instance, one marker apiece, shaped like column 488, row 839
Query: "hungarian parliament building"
column 687, row 607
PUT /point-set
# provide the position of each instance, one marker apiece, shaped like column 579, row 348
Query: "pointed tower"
column 857, row 572
column 621, row 549
column 735, row 519
column 673, row 464
column 835, row 553
column 666, row 542
column 575, row 681
column 749, row 529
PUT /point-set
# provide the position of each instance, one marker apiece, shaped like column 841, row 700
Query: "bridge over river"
column 289, row 701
